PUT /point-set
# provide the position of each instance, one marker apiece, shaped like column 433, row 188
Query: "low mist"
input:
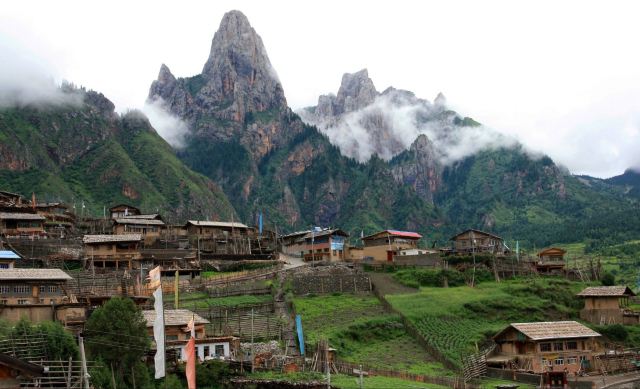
column 170, row 127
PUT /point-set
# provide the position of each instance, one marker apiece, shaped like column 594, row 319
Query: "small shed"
column 608, row 305
column 8, row 259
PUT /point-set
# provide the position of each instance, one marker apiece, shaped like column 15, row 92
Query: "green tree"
column 116, row 334
column 608, row 279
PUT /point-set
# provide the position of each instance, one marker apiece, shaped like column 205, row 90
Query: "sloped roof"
column 607, row 291
column 111, row 238
column 147, row 216
column 476, row 231
column 33, row 274
column 174, row 317
column 20, row 216
column 217, row 224
column 297, row 233
column 126, row 206
column 552, row 250
column 8, row 254
column 400, row 234
column 316, row 234
column 552, row 330
column 139, row 221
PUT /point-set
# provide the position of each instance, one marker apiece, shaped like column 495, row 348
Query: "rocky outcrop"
column 237, row 95
column 420, row 169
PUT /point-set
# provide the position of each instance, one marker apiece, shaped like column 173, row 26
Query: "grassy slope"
column 362, row 332
column 455, row 320
column 119, row 159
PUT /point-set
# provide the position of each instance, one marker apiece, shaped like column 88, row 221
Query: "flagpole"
column 164, row 333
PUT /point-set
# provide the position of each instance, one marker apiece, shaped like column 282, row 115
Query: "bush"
column 608, row 279
column 615, row 332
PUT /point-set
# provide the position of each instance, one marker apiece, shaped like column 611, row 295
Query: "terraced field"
column 456, row 320
column 363, row 332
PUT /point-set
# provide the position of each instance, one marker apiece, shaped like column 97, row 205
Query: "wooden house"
column 550, row 261
column 9, row 199
column 476, row 241
column 541, row 347
column 15, row 371
column 113, row 250
column 177, row 335
column 58, row 218
column 150, row 229
column 383, row 245
column 215, row 229
column 8, row 259
column 324, row 245
column 123, row 210
column 604, row 305
column 21, row 224
column 32, row 286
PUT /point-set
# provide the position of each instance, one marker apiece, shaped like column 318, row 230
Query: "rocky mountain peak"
column 440, row 101
column 239, row 69
column 356, row 92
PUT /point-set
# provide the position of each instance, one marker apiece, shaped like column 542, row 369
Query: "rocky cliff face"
column 420, row 169
column 237, row 95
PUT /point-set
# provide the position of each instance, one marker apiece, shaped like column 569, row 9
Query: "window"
column 572, row 361
column 3, row 301
column 4, row 265
column 545, row 347
column 43, row 289
column 23, row 302
column 219, row 350
column 546, row 362
column 52, row 289
column 559, row 361
column 5, row 289
column 22, row 289
column 171, row 337
column 207, row 351
column 558, row 346
column 572, row 345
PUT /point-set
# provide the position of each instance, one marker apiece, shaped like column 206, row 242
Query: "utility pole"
column 328, row 367
column 85, row 374
column 253, row 357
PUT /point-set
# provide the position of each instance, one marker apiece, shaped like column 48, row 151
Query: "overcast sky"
column 562, row 76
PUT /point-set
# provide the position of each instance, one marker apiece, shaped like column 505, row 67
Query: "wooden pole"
column 85, row 374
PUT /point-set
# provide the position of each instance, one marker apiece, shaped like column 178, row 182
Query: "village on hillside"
column 381, row 310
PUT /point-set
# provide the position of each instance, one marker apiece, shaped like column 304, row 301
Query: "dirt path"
column 386, row 284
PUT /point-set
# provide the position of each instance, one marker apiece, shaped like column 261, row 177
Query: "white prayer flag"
column 158, row 333
column 154, row 277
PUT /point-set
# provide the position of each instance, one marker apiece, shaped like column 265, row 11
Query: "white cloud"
column 168, row 126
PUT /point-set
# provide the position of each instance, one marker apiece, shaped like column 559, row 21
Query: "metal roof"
column 217, row 224
column 552, row 330
column 8, row 254
column 20, row 216
column 33, row 274
column 111, row 238
column 316, row 234
column 174, row 317
column 607, row 291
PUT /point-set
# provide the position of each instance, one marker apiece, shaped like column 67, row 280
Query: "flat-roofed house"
column 324, row 245
column 383, row 245
column 476, row 241
column 21, row 224
column 8, row 259
column 177, row 336
column 123, row 210
column 113, row 250
column 541, row 347
column 150, row 229
column 604, row 305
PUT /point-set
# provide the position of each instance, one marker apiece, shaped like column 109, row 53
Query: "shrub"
column 608, row 279
column 615, row 332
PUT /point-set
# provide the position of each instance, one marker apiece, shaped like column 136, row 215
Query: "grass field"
column 363, row 332
column 456, row 320
column 200, row 300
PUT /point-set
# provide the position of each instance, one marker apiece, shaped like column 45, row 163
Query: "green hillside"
column 89, row 154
